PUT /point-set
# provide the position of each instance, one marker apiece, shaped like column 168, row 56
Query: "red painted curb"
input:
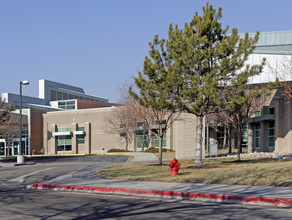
column 263, row 201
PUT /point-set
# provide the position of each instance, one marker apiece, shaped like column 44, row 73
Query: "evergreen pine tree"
column 190, row 69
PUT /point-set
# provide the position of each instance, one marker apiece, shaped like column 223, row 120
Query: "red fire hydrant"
column 174, row 165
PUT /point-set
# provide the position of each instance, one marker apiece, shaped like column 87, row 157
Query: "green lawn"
column 249, row 171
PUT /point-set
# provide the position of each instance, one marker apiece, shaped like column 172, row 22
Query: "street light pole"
column 20, row 157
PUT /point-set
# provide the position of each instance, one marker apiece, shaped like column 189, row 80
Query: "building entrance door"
column 24, row 146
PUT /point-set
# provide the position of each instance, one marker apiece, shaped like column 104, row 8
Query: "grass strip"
column 248, row 171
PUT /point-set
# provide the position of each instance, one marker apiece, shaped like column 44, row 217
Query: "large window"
column 257, row 134
column 67, row 105
column 244, row 138
column 142, row 139
column 80, row 137
column 53, row 95
column 57, row 95
column 156, row 141
column 271, row 133
column 220, row 137
column 64, row 142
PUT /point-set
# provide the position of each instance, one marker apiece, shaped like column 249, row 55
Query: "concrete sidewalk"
column 243, row 194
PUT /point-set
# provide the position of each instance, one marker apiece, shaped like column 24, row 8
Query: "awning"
column 268, row 117
column 62, row 133
column 79, row 132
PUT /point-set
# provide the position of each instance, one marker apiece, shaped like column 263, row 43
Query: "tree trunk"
column 225, row 137
column 127, row 143
column 160, row 150
column 199, row 140
column 142, row 144
column 160, row 136
column 238, row 148
column 135, row 142
column 238, row 142
column 230, row 140
column 208, row 138
column 8, row 150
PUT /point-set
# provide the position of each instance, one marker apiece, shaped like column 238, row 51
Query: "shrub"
column 155, row 150
column 116, row 150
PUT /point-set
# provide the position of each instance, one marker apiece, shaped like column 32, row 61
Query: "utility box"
column 214, row 149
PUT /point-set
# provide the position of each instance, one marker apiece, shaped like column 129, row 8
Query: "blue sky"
column 100, row 44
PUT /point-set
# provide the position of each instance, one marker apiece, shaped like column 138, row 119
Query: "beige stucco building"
column 87, row 131
column 271, row 128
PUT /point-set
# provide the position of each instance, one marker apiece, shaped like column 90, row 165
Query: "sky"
column 99, row 45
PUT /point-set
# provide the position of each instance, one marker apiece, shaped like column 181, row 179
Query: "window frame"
column 156, row 141
column 271, row 135
column 81, row 137
column 66, row 139
column 257, row 135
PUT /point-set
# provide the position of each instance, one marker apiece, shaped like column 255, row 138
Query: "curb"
column 203, row 197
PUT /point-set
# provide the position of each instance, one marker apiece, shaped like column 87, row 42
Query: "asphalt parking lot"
column 64, row 159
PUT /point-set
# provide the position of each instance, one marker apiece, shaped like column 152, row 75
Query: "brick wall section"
column 36, row 130
column 87, row 104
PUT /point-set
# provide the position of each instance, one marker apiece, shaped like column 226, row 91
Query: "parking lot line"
column 22, row 178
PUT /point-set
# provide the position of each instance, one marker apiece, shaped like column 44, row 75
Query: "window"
column 156, row 141
column 65, row 96
column 220, row 137
column 272, row 110
column 64, row 129
column 80, row 137
column 271, row 133
column 258, row 113
column 244, row 138
column 142, row 139
column 64, row 142
column 59, row 95
column 67, row 105
column 53, row 95
column 257, row 134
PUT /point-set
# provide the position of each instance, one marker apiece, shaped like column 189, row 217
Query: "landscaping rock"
column 275, row 155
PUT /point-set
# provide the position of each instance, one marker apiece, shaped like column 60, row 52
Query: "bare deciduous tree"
column 4, row 112
column 121, row 122
column 281, row 67
column 217, row 120
column 243, row 103
column 126, row 120
column 9, row 130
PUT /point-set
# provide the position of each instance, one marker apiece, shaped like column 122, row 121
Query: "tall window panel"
column 271, row 133
column 257, row 134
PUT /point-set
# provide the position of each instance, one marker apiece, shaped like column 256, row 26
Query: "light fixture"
column 20, row 157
